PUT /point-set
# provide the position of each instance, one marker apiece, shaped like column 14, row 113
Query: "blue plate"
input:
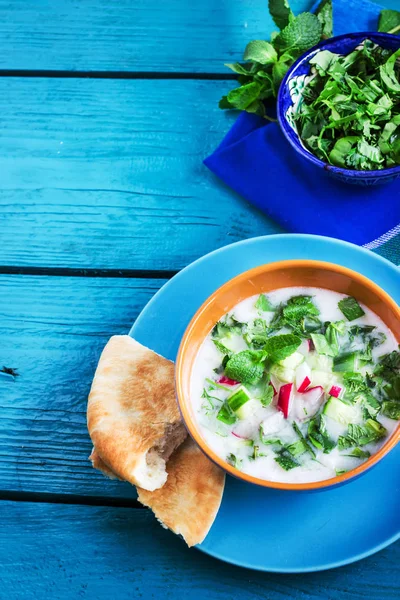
column 272, row 530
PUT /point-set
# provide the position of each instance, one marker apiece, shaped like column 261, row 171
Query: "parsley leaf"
column 286, row 462
column 324, row 14
column 391, row 409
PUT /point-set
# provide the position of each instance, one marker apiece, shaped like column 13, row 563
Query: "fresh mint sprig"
column 266, row 62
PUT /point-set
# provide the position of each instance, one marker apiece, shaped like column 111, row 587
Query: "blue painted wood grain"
column 109, row 173
column 53, row 330
column 145, row 35
column 97, row 553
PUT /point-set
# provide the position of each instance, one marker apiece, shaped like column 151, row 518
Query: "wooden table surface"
column 107, row 110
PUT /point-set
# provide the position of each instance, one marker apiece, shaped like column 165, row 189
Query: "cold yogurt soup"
column 298, row 385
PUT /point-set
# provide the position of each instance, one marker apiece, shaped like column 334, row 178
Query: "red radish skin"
column 227, row 381
column 285, row 393
column 311, row 346
column 335, row 391
column 273, row 387
column 304, row 385
column 241, row 437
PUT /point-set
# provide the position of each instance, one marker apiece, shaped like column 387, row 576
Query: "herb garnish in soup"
column 298, row 385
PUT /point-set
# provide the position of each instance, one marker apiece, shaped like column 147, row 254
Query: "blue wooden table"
column 107, row 110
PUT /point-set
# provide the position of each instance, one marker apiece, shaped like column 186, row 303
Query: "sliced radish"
column 311, row 346
column 335, row 391
column 304, row 347
column 241, row 437
column 303, row 377
column 285, row 394
column 314, row 393
column 304, row 385
column 227, row 381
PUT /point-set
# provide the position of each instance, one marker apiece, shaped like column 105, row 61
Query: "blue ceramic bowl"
column 290, row 96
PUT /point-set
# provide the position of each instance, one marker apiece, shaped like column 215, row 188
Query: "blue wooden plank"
column 63, row 552
column 53, row 330
column 194, row 37
column 96, row 174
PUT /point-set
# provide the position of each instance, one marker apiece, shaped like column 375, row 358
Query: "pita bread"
column 98, row 464
column 188, row 503
column 133, row 417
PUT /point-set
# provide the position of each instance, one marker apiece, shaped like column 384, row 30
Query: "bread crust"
column 131, row 408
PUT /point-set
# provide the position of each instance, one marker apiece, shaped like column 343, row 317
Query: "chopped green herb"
column 222, row 348
column 358, row 453
column 234, row 461
column 263, row 304
column 214, row 385
column 286, row 462
column 391, row 409
column 340, row 471
column 280, row 347
column 267, row 395
column 246, row 366
column 389, row 21
column 256, row 336
column 322, row 345
column 318, row 435
column 303, row 439
column 358, row 435
column 350, row 308
column 297, row 448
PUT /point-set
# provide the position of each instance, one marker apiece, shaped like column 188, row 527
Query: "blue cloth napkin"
column 257, row 162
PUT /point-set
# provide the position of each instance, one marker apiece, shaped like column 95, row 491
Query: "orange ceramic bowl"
column 263, row 279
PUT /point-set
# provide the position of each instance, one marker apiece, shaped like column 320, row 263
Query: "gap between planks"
column 42, row 497
column 55, row 74
column 76, row 272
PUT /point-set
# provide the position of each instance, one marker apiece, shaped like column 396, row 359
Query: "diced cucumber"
column 320, row 362
column 247, row 409
column 322, row 378
column 282, row 373
column 238, row 398
column 292, row 361
column 241, row 442
column 346, row 362
column 340, row 412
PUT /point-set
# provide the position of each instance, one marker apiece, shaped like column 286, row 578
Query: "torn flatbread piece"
column 189, row 501
column 133, row 416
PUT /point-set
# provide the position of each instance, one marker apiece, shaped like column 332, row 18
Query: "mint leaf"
column 389, row 21
column 263, row 304
column 261, row 52
column 245, row 95
column 350, row 308
column 280, row 12
column 280, row 347
column 303, row 32
column 246, row 366
column 239, row 69
column 324, row 14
